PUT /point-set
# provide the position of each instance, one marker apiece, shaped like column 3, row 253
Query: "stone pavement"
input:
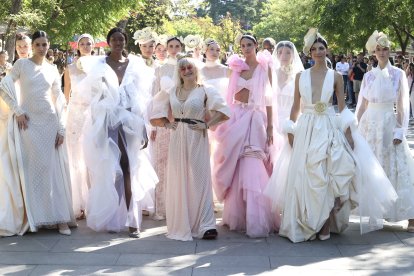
column 386, row 252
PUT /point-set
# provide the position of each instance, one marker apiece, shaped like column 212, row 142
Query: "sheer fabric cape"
column 102, row 154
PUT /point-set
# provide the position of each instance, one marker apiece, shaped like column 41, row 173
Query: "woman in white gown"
column 287, row 64
column 384, row 87
column 193, row 44
column 324, row 180
column 36, row 134
column 160, row 137
column 161, row 50
column 74, row 125
column 146, row 40
column 120, row 173
column 189, row 194
column 214, row 73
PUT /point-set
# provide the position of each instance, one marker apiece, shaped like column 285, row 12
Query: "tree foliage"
column 245, row 11
column 286, row 20
column 346, row 24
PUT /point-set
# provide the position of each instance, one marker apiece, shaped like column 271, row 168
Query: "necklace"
column 182, row 93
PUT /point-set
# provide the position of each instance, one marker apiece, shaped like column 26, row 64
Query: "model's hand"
column 348, row 136
column 198, row 126
column 291, row 138
column 22, row 121
column 153, row 135
column 396, row 141
column 59, row 140
column 172, row 126
column 144, row 141
column 269, row 132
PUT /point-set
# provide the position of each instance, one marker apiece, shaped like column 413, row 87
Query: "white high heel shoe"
column 64, row 229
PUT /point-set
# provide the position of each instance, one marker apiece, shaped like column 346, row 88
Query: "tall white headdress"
column 311, row 36
column 377, row 38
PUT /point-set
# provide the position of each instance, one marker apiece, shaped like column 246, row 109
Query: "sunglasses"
column 188, row 67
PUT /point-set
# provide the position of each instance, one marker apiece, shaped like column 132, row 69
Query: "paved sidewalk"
column 386, row 252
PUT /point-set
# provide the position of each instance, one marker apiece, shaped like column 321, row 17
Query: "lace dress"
column 43, row 170
column 189, row 195
column 381, row 91
column 159, row 147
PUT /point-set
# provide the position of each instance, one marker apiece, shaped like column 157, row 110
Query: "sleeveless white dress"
column 321, row 169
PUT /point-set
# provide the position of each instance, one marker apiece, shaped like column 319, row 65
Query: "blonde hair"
column 184, row 61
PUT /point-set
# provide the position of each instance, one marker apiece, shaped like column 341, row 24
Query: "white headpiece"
column 296, row 65
column 162, row 39
column 144, row 36
column 239, row 37
column 375, row 39
column 270, row 40
column 85, row 35
column 311, row 36
column 171, row 37
column 192, row 41
column 207, row 43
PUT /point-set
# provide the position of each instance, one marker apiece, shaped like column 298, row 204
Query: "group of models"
column 261, row 133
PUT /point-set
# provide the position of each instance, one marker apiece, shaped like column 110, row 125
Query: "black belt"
column 191, row 122
column 188, row 121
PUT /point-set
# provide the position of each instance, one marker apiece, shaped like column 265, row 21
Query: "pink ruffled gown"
column 242, row 156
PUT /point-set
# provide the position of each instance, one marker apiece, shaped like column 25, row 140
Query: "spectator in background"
column 342, row 68
column 59, row 61
column 269, row 44
column 410, row 78
column 23, row 47
column 4, row 65
column 399, row 60
column 359, row 68
column 351, row 96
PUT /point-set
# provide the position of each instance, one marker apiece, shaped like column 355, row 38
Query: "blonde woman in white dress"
column 189, row 194
column 383, row 88
column 38, row 135
column 78, row 103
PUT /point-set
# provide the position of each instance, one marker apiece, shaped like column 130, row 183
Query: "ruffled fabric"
column 116, row 108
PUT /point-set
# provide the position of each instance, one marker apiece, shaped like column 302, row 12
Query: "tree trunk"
column 122, row 24
column 11, row 30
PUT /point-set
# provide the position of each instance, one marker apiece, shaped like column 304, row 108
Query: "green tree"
column 62, row 19
column 350, row 22
column 286, row 20
column 245, row 11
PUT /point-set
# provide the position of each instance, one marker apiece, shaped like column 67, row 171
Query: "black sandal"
column 210, row 234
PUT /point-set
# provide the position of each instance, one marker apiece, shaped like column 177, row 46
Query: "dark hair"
column 39, row 34
column 321, row 40
column 249, row 36
column 285, row 44
column 116, row 30
column 173, row 38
